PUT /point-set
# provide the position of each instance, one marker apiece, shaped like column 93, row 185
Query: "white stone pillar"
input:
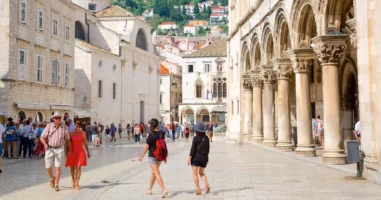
column 247, row 106
column 329, row 50
column 257, row 108
column 268, row 77
column 283, row 68
column 302, row 60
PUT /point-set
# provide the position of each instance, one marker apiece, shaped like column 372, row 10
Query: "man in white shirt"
column 357, row 132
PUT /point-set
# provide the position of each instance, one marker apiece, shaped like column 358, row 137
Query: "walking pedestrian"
column 137, row 133
column 1, row 146
column 319, row 127
column 108, row 134
column 155, row 160
column 113, row 131
column 128, row 128
column 10, row 139
column 21, row 133
column 26, row 140
column 54, row 138
column 40, row 148
column 182, row 130
column 173, row 131
column 187, row 129
column 210, row 132
column 120, row 130
column 95, row 135
column 77, row 159
column 199, row 156
column 89, row 133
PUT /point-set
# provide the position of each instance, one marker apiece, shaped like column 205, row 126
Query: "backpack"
column 161, row 152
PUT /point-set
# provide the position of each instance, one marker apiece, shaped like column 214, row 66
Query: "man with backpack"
column 158, row 153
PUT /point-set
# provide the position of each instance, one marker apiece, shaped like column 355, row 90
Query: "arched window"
column 215, row 90
column 79, row 31
column 38, row 118
column 199, row 89
column 141, row 40
column 224, row 90
column 219, row 90
column 21, row 116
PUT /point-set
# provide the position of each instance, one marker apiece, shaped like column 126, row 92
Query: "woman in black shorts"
column 198, row 156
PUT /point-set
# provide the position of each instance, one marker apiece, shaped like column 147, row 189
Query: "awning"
column 32, row 106
column 219, row 109
column 61, row 107
column 79, row 113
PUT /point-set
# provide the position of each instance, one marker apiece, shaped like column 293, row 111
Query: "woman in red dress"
column 77, row 158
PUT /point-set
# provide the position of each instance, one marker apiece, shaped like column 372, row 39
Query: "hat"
column 199, row 127
column 56, row 114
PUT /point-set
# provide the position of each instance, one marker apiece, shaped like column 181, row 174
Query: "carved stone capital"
column 283, row 68
column 330, row 49
column 302, row 60
column 134, row 64
column 268, row 74
column 247, row 84
column 257, row 81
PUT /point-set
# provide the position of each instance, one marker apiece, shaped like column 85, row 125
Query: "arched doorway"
column 21, row 116
column 79, row 31
column 187, row 115
column 141, row 40
column 203, row 115
column 38, row 118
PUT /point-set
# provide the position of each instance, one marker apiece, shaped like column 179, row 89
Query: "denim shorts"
column 1, row 149
column 199, row 164
column 153, row 161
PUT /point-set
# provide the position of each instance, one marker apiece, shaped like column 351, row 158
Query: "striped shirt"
column 58, row 138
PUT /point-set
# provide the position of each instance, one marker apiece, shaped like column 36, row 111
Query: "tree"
column 184, row 11
column 196, row 9
column 130, row 3
column 201, row 31
column 215, row 2
column 209, row 10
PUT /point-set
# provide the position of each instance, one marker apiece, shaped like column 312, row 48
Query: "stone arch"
column 245, row 59
column 256, row 52
column 80, row 31
column 282, row 35
column 141, row 40
column 21, row 116
column 347, row 68
column 199, row 109
column 336, row 14
column 199, row 88
column 38, row 118
column 268, row 45
column 304, row 26
column 186, row 109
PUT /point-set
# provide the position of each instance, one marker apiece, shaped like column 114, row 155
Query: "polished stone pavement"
column 235, row 171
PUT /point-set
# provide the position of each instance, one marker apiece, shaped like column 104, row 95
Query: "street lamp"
column 84, row 100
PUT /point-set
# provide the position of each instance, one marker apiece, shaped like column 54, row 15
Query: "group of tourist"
column 187, row 129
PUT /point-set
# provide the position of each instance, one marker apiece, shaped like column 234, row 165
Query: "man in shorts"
column 54, row 138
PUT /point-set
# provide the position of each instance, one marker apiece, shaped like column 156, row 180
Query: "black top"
column 151, row 141
column 200, row 149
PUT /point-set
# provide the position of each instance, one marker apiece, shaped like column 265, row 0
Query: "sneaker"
column 57, row 188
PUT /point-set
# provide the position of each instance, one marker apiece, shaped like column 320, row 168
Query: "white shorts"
column 108, row 136
column 55, row 157
column 94, row 137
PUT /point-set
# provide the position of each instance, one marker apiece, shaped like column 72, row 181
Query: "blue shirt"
column 39, row 132
column 161, row 127
column 10, row 134
column 113, row 129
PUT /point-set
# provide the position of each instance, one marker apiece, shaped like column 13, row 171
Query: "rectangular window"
column 190, row 68
column 205, row 118
column 237, row 106
column 114, row 91
column 58, row 73
column 67, row 75
column 207, row 67
column 22, row 11
column 100, row 89
column 54, row 71
column 161, row 98
column 55, row 27
column 92, row 7
column 40, row 16
column 22, row 64
column 221, row 118
column 39, row 68
column 67, row 32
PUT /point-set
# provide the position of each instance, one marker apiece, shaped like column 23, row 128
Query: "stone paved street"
column 235, row 171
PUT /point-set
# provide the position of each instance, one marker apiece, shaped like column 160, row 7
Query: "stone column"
column 283, row 69
column 302, row 60
column 247, row 106
column 329, row 50
column 257, row 83
column 268, row 77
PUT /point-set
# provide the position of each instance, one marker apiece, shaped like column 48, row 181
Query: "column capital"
column 330, row 48
column 256, row 78
column 247, row 84
column 268, row 74
column 283, row 68
column 302, row 60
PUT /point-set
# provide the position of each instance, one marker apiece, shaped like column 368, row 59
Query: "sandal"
column 207, row 189
column 165, row 193
column 77, row 187
column 149, row 192
column 73, row 183
column 198, row 192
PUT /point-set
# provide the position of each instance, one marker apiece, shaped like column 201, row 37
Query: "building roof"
column 163, row 70
column 217, row 49
column 168, row 23
column 189, row 5
column 113, row 11
column 198, row 23
column 217, row 28
column 216, row 14
column 189, row 25
column 81, row 43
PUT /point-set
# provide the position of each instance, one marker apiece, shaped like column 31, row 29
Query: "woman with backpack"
column 199, row 156
column 157, row 148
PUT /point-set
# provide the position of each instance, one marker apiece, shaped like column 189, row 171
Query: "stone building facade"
column 117, row 70
column 291, row 60
column 204, row 85
column 37, row 58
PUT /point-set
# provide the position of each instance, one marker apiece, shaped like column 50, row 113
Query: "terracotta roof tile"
column 217, row 49
column 114, row 11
